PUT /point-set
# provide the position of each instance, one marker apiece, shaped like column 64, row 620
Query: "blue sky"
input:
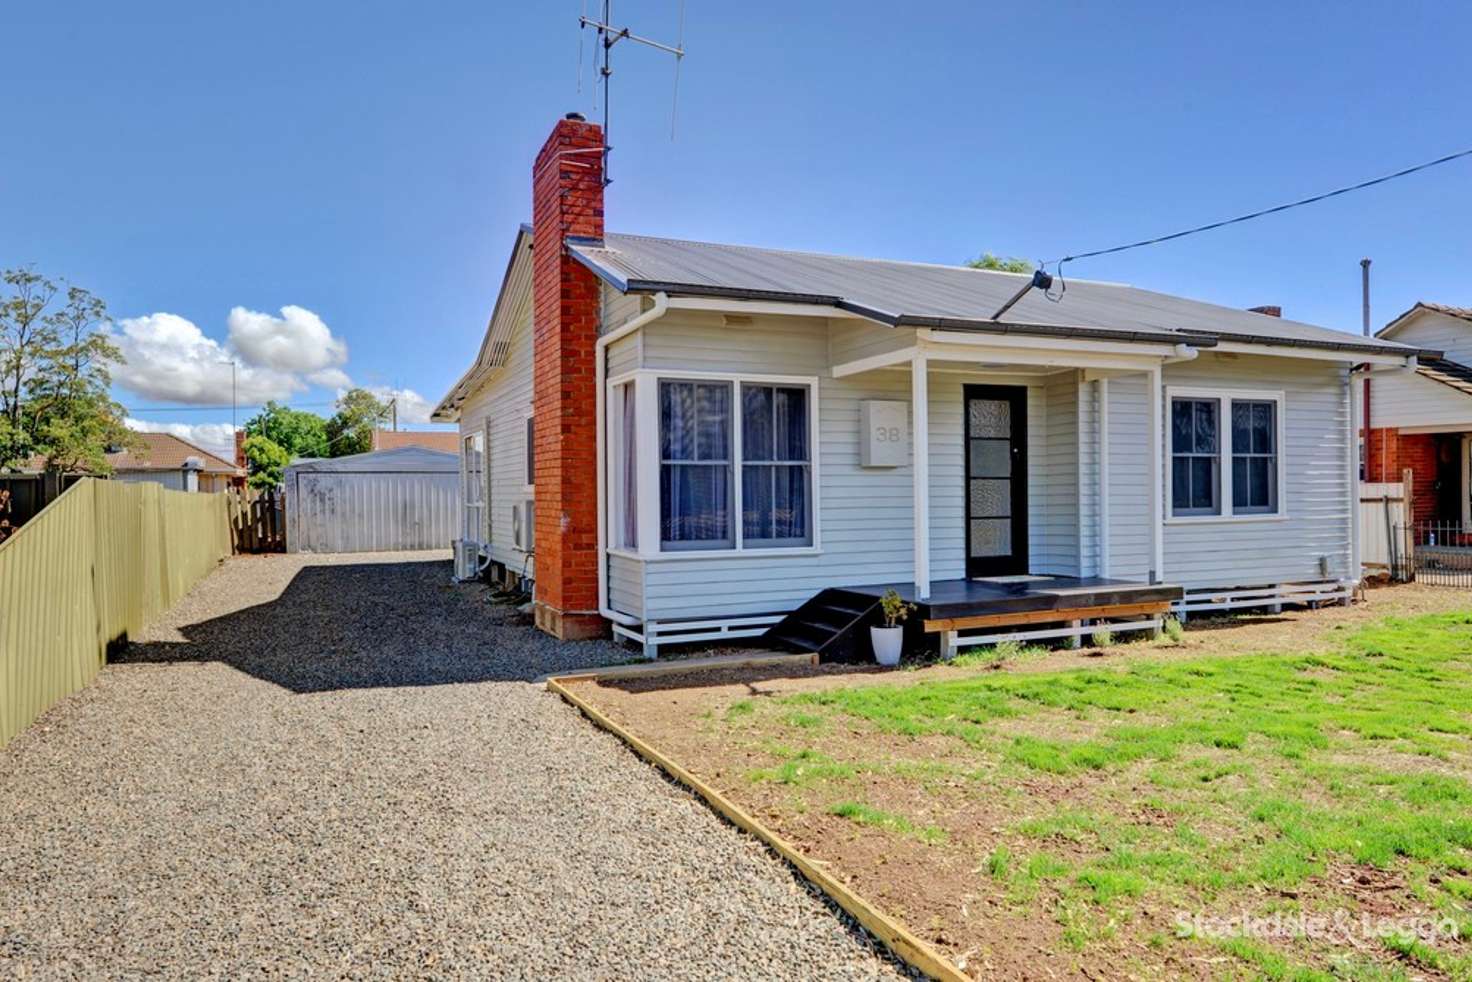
column 368, row 162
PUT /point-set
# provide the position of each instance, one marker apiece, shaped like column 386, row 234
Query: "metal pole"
column 607, row 75
column 1365, row 401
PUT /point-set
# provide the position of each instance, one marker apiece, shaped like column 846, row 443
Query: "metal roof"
column 953, row 297
column 402, row 460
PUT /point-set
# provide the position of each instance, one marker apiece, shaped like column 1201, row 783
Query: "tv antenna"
column 608, row 36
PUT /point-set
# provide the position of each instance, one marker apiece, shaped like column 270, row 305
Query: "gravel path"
column 339, row 766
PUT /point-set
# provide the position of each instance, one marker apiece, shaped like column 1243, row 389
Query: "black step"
column 828, row 624
column 790, row 641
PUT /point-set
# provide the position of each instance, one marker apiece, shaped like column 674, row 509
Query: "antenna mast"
column 608, row 36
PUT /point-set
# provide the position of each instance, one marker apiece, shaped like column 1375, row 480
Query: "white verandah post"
column 920, row 469
column 1157, row 452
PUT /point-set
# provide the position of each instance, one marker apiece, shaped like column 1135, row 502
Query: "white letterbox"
column 885, row 439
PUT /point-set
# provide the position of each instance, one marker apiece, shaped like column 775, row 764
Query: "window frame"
column 468, row 441
column 648, row 438
column 529, row 453
column 1224, row 399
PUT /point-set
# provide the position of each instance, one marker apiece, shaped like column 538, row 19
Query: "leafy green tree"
column 73, row 418
column 350, row 430
column 55, row 358
column 26, row 335
column 267, row 461
column 1001, row 264
column 296, row 431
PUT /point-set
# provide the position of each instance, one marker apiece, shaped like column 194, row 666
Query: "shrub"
column 1102, row 638
column 1174, row 630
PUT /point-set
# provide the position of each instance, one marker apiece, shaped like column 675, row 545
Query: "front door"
column 996, row 480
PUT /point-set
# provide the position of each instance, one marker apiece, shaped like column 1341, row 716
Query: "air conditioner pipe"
column 600, row 373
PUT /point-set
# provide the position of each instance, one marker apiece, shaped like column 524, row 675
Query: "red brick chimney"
column 1271, row 310
column 567, row 200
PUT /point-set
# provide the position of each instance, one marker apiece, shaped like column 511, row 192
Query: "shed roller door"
column 364, row 511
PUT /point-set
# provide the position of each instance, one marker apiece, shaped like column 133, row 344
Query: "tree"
column 295, row 431
column 350, row 430
column 73, row 419
column 1000, row 264
column 26, row 334
column 267, row 461
column 55, row 376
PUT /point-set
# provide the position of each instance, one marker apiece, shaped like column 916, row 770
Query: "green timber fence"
column 88, row 572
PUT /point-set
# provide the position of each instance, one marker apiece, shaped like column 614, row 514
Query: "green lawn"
column 1263, row 781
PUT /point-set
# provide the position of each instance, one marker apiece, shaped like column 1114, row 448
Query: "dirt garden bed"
column 1113, row 814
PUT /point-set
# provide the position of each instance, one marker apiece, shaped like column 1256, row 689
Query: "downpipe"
column 600, row 374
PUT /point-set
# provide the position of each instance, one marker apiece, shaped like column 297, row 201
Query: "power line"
column 1259, row 214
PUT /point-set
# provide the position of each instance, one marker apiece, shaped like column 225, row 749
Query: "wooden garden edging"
column 893, row 935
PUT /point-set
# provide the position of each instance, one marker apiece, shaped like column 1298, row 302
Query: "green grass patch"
column 862, row 814
column 1195, row 780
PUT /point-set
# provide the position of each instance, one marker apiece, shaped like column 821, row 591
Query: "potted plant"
column 889, row 639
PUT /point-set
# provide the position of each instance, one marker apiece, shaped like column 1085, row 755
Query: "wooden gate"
column 258, row 521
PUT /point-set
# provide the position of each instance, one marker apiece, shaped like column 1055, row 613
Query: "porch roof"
column 953, row 297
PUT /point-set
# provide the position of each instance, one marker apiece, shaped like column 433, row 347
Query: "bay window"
column 1225, row 454
column 775, row 474
column 695, row 465
column 726, row 464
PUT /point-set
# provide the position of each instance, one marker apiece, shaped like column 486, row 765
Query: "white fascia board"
column 887, row 359
column 1314, row 354
column 1052, row 357
column 760, row 307
column 1143, row 350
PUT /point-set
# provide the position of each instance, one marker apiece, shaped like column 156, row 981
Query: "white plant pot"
column 887, row 643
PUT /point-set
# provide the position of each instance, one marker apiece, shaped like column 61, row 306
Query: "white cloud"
column 297, row 341
column 214, row 437
column 413, row 407
column 167, row 357
column 331, row 378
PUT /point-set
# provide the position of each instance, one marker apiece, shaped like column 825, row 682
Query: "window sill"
column 1224, row 519
column 717, row 553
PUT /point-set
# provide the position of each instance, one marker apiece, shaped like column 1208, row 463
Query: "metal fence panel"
column 1435, row 553
column 93, row 568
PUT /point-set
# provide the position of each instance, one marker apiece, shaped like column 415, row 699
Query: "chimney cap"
column 576, row 117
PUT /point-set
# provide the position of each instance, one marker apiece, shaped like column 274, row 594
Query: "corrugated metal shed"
column 924, row 295
column 383, row 501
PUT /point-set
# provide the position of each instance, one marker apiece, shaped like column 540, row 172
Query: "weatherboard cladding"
column 921, row 295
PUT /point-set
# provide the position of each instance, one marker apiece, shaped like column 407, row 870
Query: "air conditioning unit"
column 523, row 525
column 467, row 560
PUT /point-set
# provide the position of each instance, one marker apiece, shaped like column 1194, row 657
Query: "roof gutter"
column 600, row 374
column 1197, row 339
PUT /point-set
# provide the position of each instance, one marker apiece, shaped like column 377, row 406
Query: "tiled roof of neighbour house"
column 1465, row 313
column 953, row 297
column 166, row 452
column 1447, row 372
column 447, row 441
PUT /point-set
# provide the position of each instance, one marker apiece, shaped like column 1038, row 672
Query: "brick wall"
column 1388, row 452
column 567, row 200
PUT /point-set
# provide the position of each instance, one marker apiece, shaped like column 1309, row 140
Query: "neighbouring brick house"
column 691, row 441
column 445, row 441
column 1421, row 420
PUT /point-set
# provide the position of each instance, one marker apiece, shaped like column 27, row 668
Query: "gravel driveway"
column 340, row 766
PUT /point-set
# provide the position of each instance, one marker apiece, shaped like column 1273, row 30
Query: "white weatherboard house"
column 765, row 426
